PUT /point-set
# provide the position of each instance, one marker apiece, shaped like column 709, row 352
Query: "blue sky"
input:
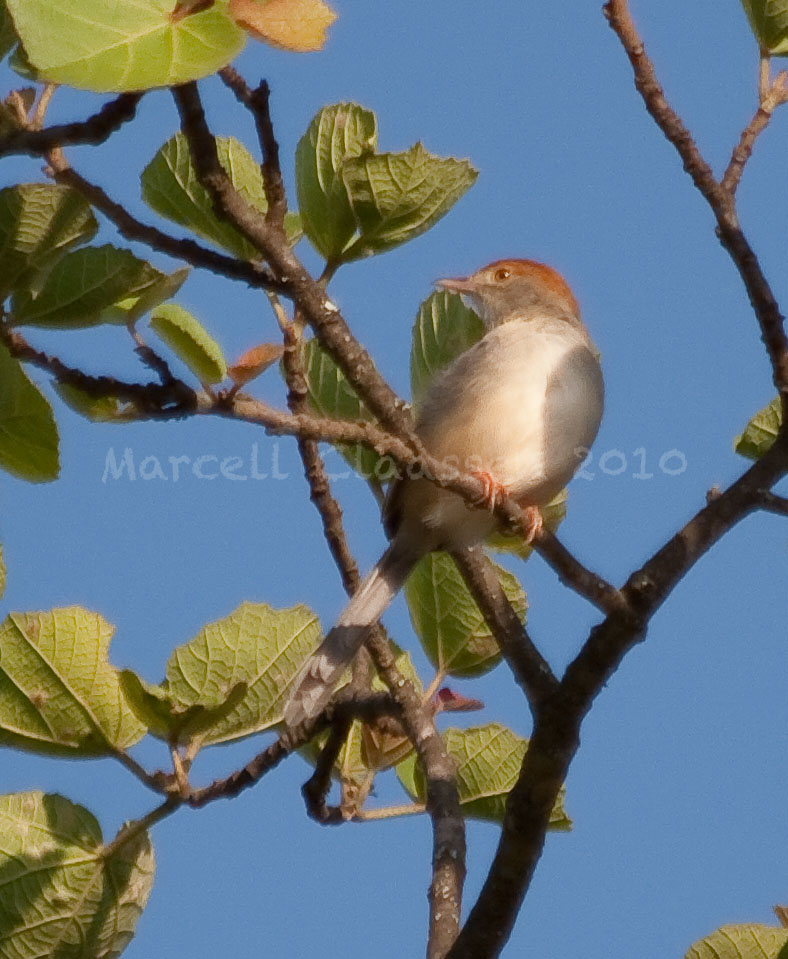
column 678, row 791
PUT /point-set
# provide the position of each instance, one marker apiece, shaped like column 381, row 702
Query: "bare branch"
column 96, row 129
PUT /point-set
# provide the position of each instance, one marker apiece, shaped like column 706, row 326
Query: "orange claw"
column 493, row 492
column 533, row 524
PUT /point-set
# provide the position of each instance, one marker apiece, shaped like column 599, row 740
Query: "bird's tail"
column 321, row 672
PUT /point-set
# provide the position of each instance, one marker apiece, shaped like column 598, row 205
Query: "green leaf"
column 336, row 134
column 58, row 693
column 117, row 45
column 769, row 22
column 256, row 645
column 397, row 196
column 8, row 36
column 744, row 941
column 60, row 895
column 444, row 329
column 190, row 341
column 449, row 624
column 3, row 573
column 97, row 409
column 761, row 432
column 39, row 222
column 130, row 309
column 488, row 761
column 165, row 719
column 28, row 434
column 82, row 286
column 331, row 395
column 171, row 188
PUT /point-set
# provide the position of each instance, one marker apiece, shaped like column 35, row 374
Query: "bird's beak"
column 461, row 284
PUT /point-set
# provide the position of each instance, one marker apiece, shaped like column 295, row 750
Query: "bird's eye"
column 501, row 274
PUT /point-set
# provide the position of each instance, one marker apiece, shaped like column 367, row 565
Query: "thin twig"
column 390, row 812
column 572, row 573
column 315, row 789
column 157, row 781
column 183, row 249
column 134, row 829
column 776, row 94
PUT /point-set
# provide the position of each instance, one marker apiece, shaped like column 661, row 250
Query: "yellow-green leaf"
column 761, row 432
column 769, row 22
column 60, row 896
column 450, row 626
column 28, row 434
column 171, row 188
column 444, row 329
column 336, row 134
column 488, row 760
column 167, row 720
column 39, row 222
column 256, row 645
column 190, row 341
column 83, row 286
column 397, row 196
column 7, row 34
column 131, row 308
column 746, row 941
column 117, row 45
column 97, row 409
column 3, row 573
column 58, row 692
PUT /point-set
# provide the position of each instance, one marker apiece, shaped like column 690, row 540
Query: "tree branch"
column 573, row 574
column 96, row 129
column 257, row 102
column 721, row 201
column 775, row 94
column 308, row 295
column 531, row 670
column 772, row 503
column 183, row 249
column 555, row 737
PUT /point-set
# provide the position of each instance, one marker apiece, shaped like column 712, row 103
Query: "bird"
column 519, row 409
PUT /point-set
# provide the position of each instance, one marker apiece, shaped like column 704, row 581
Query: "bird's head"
column 516, row 289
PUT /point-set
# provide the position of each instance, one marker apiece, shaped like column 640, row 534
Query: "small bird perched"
column 519, row 409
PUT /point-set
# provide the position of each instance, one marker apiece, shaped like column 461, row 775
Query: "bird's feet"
column 493, row 493
column 533, row 524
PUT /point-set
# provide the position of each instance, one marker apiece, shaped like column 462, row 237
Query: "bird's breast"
column 523, row 404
